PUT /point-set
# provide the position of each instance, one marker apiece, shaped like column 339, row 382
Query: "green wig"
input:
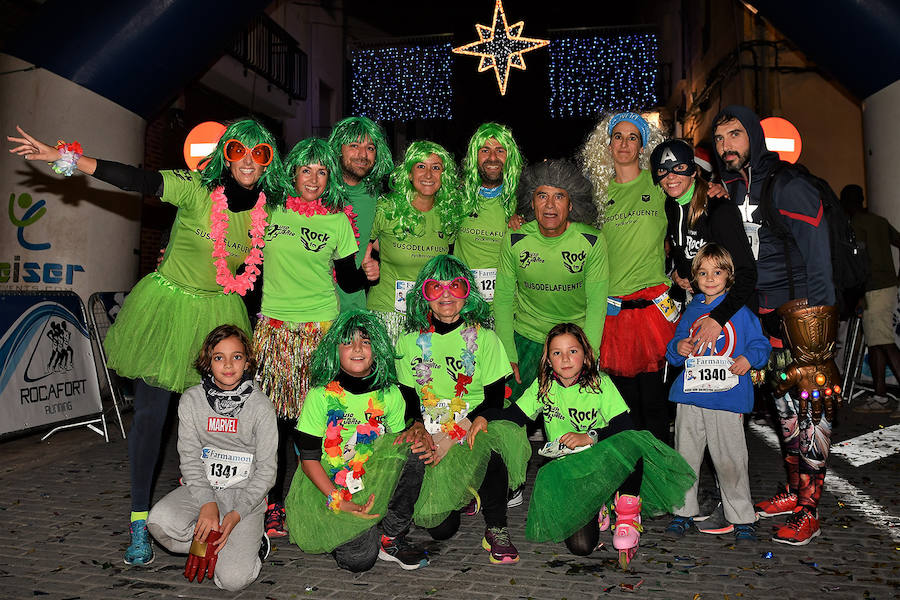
column 512, row 169
column 445, row 267
column 397, row 203
column 356, row 129
column 326, row 362
column 250, row 133
column 316, row 151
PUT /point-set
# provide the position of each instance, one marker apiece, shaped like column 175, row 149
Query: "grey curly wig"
column 559, row 173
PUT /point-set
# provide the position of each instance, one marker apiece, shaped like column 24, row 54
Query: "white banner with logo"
column 47, row 372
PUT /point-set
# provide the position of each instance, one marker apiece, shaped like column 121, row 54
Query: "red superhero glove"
column 202, row 559
column 811, row 332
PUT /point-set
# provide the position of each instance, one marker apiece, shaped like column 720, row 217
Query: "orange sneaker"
column 801, row 527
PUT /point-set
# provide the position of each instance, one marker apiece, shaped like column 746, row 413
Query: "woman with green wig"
column 222, row 213
column 414, row 222
column 455, row 368
column 305, row 238
column 354, row 493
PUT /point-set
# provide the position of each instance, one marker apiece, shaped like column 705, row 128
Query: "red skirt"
column 634, row 341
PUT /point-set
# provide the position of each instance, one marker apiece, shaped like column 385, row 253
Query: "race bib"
column 401, row 288
column 224, row 468
column 666, row 306
column 708, row 374
column 440, row 414
column 485, row 280
column 752, row 231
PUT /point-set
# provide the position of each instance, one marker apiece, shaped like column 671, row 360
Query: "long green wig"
column 512, row 169
column 445, row 267
column 326, row 362
column 357, row 129
column 250, row 133
column 397, row 203
column 316, row 151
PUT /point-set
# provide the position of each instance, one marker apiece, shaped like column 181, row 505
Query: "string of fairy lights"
column 403, row 83
column 597, row 74
column 588, row 75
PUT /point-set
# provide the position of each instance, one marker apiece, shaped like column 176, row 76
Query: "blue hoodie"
column 800, row 207
column 742, row 335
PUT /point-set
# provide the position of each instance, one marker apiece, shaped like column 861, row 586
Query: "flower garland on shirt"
column 309, row 209
column 219, row 227
column 429, row 399
column 366, row 434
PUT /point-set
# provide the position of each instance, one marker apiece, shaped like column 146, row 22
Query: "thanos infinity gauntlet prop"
column 811, row 333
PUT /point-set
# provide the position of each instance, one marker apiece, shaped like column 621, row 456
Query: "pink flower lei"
column 309, row 209
column 219, row 227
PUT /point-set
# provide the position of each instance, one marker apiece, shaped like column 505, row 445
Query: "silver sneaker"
column 873, row 404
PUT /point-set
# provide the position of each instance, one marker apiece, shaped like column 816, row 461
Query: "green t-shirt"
column 479, row 241
column 569, row 409
column 314, row 417
column 363, row 205
column 298, row 284
column 401, row 260
column 447, row 362
column 635, row 231
column 544, row 281
column 188, row 260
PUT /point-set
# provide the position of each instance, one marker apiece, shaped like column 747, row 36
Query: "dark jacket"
column 800, row 208
column 721, row 223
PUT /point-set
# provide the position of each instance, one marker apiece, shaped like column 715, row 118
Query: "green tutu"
column 448, row 486
column 530, row 353
column 569, row 491
column 160, row 330
column 315, row 528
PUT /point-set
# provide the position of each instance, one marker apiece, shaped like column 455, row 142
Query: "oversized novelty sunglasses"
column 433, row 289
column 261, row 154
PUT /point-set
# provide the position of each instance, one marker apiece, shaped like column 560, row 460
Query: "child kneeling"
column 600, row 460
column 227, row 438
column 353, row 468
column 714, row 392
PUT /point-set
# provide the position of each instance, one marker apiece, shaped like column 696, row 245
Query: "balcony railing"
column 270, row 51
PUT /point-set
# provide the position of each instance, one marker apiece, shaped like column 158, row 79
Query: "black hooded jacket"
column 802, row 214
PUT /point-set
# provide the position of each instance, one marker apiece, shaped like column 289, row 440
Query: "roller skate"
column 603, row 518
column 627, row 528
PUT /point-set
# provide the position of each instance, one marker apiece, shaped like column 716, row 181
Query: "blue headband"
column 636, row 120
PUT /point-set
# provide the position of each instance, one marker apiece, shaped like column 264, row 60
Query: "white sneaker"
column 873, row 404
column 896, row 413
column 516, row 498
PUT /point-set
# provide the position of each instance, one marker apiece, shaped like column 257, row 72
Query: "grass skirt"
column 160, row 330
column 448, row 486
column 634, row 341
column 569, row 491
column 393, row 322
column 283, row 352
column 315, row 528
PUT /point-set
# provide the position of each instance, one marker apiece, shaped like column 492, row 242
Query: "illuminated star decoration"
column 501, row 46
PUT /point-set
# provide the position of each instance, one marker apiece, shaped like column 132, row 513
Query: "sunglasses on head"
column 432, row 289
column 261, row 154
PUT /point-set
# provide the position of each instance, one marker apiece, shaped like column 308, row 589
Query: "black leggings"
column 151, row 406
column 646, row 397
column 287, row 455
column 584, row 541
column 493, row 501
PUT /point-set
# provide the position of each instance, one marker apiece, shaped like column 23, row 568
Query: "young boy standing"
column 714, row 392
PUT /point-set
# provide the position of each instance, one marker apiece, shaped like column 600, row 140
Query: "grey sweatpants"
column 723, row 432
column 171, row 523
